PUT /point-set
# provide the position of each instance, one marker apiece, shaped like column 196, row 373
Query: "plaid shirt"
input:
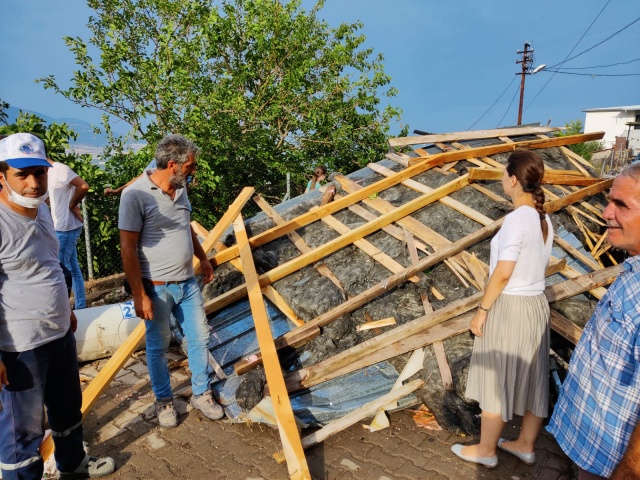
column 599, row 405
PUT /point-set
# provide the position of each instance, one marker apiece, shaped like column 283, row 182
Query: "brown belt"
column 158, row 283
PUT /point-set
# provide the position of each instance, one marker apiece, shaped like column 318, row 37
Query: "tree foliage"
column 585, row 149
column 263, row 87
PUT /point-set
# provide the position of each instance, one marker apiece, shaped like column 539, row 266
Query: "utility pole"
column 527, row 60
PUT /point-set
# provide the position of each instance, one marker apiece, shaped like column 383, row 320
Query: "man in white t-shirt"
column 66, row 191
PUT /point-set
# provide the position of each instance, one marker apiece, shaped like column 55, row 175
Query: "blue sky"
column 450, row 60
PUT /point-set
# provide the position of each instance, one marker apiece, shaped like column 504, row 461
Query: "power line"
column 567, row 57
column 510, row 103
column 597, row 74
column 492, row 105
column 599, row 66
column 597, row 44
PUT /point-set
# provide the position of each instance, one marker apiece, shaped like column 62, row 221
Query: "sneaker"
column 207, row 405
column 167, row 416
column 91, row 467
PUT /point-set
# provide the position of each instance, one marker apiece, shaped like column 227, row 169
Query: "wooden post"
column 296, row 461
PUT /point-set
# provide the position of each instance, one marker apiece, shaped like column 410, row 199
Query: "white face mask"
column 25, row 202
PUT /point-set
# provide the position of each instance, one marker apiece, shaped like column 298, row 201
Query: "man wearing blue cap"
column 38, row 359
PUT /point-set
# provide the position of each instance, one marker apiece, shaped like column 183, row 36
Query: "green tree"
column 585, row 149
column 264, row 87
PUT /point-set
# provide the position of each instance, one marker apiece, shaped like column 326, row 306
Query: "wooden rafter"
column 292, row 446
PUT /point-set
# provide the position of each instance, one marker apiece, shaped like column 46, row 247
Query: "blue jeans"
column 45, row 376
column 68, row 255
column 184, row 300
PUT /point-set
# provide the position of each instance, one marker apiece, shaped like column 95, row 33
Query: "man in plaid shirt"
column 596, row 419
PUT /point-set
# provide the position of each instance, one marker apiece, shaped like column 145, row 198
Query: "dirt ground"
column 123, row 425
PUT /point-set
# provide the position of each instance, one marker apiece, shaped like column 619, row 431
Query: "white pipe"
column 101, row 330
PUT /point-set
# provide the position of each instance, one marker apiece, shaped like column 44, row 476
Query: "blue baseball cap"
column 23, row 150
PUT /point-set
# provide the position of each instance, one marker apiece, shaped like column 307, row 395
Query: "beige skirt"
column 509, row 371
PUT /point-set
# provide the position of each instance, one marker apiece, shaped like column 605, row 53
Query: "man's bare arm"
column 629, row 466
column 131, row 263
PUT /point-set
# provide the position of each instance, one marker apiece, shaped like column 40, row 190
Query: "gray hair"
column 631, row 171
column 174, row 147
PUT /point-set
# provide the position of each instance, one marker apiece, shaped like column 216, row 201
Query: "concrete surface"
column 123, row 425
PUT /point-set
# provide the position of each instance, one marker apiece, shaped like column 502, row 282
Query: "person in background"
column 596, row 420
column 509, row 371
column 158, row 245
column 66, row 191
column 38, row 358
column 318, row 177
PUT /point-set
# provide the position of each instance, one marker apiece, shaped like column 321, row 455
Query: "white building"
column 614, row 122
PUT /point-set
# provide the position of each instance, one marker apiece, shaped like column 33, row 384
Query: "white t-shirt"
column 60, row 193
column 520, row 240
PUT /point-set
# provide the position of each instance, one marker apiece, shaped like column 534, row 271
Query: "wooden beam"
column 503, row 148
column 576, row 160
column 443, row 365
column 225, row 222
column 373, row 292
column 574, row 252
column 282, row 305
column 322, row 251
column 366, row 353
column 199, row 229
column 292, row 446
column 328, row 195
column 476, row 174
column 565, row 327
column 385, row 322
column 299, row 336
column 409, row 172
column 448, row 201
column 577, row 196
column 468, row 135
column 488, row 193
column 356, row 416
column 298, row 241
column 367, row 247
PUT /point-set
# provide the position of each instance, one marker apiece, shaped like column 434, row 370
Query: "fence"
column 99, row 248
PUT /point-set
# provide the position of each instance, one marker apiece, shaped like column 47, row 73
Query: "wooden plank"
column 576, row 160
column 367, row 247
column 443, row 365
column 397, row 158
column 468, row 135
column 199, row 229
column 292, row 446
column 373, row 292
column 356, row 416
column 385, row 322
column 484, row 161
column 565, row 327
column 476, row 268
column 476, row 174
column 492, row 195
column 569, row 272
column 421, row 231
column 328, row 195
column 299, row 336
column 421, row 165
column 574, row 252
column 225, row 222
column 322, row 251
column 282, row 305
column 362, row 354
column 448, row 201
column 552, row 196
column 437, row 294
column 298, row 241
column 585, row 205
column 577, row 196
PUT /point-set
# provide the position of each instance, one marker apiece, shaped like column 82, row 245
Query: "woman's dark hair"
column 323, row 168
column 528, row 168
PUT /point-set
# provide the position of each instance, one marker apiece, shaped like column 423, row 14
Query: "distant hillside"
column 86, row 136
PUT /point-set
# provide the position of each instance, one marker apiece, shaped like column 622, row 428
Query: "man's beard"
column 178, row 180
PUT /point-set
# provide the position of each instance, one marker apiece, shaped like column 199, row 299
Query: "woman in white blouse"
column 510, row 362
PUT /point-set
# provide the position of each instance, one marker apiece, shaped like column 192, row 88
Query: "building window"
column 637, row 127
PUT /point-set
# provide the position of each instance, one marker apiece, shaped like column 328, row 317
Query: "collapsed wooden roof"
column 447, row 154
